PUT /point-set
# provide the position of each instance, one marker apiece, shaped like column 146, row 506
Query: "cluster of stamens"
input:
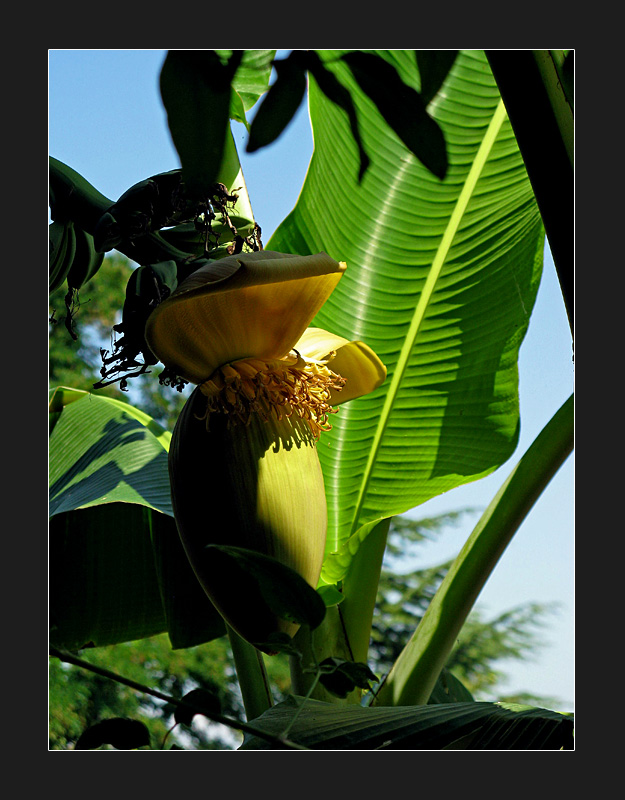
column 274, row 388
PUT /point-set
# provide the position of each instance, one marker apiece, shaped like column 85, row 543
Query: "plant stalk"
column 360, row 587
column 346, row 630
column 252, row 676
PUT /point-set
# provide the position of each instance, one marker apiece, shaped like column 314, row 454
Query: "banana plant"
column 400, row 288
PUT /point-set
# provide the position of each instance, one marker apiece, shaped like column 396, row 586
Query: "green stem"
column 414, row 674
column 360, row 587
column 346, row 630
column 252, row 676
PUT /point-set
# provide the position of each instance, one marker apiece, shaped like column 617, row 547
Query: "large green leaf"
column 451, row 726
column 105, row 451
column 117, row 568
column 441, row 280
column 103, row 586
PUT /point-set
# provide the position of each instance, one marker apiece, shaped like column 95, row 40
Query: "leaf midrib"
column 443, row 249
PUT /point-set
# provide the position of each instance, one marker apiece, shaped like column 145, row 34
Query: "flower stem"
column 360, row 587
column 251, row 675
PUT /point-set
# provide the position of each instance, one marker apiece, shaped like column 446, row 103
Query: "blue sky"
column 106, row 120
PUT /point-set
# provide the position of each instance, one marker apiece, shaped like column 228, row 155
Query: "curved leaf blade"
column 102, row 451
column 326, row 726
column 441, row 281
column 118, row 571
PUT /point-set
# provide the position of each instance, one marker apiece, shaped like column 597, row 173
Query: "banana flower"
column 244, row 468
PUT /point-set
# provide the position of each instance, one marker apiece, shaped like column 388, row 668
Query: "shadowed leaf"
column 120, row 733
column 196, row 91
column 434, row 66
column 282, row 101
column 340, row 677
column 402, row 108
column 202, row 700
column 286, row 593
column 461, row 726
column 340, row 96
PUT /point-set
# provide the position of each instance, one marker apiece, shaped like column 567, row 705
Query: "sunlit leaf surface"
column 441, row 280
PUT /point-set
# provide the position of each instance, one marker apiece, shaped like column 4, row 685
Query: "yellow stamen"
column 278, row 387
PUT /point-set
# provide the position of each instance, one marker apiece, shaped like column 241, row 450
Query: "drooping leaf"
column 466, row 726
column 202, row 700
column 117, row 568
column 120, row 733
column 441, row 279
column 281, row 102
column 284, row 591
column 196, row 91
column 103, row 451
column 201, row 91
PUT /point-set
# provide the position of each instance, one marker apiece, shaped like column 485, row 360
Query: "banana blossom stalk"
column 243, row 462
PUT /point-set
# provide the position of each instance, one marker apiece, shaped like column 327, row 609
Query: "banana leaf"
column 451, row 726
column 441, row 280
column 201, row 91
column 117, row 568
column 105, row 451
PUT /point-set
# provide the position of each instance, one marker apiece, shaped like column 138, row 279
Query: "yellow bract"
column 258, row 306
column 254, row 305
column 354, row 361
